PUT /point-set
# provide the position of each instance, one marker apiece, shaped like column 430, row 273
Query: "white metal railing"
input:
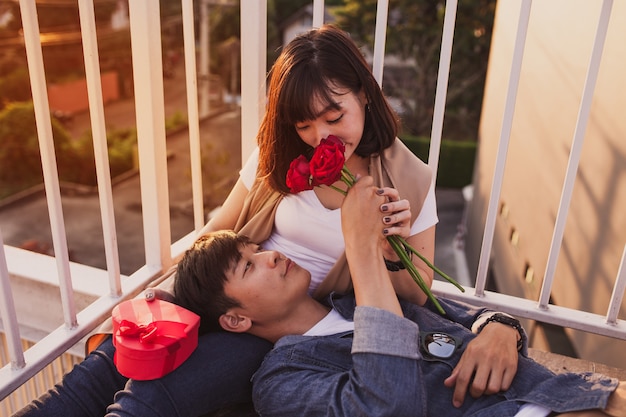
column 147, row 67
column 607, row 325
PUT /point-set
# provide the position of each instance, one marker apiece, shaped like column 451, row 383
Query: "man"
column 366, row 354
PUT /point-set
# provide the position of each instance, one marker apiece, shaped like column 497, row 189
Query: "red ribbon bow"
column 145, row 332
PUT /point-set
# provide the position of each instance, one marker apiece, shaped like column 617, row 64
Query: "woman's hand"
column 487, row 366
column 154, row 293
column 396, row 218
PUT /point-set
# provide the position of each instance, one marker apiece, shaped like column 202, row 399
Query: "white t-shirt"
column 332, row 323
column 310, row 234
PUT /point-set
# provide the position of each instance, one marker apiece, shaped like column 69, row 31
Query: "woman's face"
column 346, row 121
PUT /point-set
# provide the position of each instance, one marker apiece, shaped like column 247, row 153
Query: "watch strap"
column 507, row 320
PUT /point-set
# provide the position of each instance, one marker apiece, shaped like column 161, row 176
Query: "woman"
column 319, row 86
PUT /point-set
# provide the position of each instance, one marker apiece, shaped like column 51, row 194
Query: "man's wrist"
column 501, row 318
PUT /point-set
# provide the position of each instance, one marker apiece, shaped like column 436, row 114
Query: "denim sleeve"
column 375, row 328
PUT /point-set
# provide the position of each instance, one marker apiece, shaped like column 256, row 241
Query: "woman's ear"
column 234, row 322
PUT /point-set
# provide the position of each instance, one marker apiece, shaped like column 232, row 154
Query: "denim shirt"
column 380, row 370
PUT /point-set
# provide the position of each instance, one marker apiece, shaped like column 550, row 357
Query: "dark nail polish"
column 384, row 208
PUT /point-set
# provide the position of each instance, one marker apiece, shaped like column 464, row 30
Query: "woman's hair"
column 311, row 67
column 201, row 276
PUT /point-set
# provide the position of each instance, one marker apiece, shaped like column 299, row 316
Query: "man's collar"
column 343, row 303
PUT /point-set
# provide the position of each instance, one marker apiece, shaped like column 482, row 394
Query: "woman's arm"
column 227, row 215
column 405, row 286
column 396, row 216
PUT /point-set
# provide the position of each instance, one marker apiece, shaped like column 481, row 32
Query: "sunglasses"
column 438, row 344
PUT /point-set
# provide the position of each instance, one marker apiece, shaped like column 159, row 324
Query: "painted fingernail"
column 387, row 219
column 384, row 208
column 385, row 232
column 380, row 191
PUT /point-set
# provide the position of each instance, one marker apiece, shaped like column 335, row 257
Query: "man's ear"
column 234, row 322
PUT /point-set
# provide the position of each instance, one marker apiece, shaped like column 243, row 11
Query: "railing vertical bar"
column 192, row 114
column 380, row 35
column 11, row 327
column 100, row 146
column 574, row 156
column 505, row 136
column 36, row 71
column 318, row 13
column 205, row 58
column 253, row 64
column 442, row 85
column 145, row 31
column 618, row 291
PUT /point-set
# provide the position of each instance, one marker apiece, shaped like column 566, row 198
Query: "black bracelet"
column 395, row 266
column 509, row 321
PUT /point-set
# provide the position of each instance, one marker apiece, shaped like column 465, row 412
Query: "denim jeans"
column 216, row 375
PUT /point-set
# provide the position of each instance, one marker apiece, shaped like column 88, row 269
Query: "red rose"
column 327, row 161
column 299, row 175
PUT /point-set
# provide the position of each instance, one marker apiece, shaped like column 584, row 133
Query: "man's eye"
column 247, row 266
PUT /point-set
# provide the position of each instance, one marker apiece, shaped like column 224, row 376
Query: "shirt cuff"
column 382, row 332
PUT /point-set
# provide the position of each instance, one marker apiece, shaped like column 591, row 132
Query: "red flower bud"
column 299, row 175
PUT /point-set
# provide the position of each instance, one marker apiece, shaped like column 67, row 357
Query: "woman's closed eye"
column 334, row 121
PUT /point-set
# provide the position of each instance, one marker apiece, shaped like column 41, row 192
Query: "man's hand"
column 360, row 216
column 487, row 366
column 363, row 235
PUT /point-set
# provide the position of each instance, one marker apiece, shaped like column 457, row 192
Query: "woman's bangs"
column 301, row 99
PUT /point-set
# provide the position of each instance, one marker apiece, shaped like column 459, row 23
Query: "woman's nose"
column 321, row 132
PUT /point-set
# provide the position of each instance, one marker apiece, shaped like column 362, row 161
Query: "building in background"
column 556, row 56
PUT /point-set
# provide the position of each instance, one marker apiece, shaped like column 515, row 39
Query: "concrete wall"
column 559, row 42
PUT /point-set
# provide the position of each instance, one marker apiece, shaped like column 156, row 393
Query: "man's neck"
column 307, row 315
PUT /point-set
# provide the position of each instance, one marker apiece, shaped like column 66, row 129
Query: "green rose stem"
column 400, row 246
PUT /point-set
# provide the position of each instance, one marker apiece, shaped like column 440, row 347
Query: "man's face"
column 267, row 284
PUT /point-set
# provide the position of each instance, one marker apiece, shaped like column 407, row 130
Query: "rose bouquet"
column 327, row 165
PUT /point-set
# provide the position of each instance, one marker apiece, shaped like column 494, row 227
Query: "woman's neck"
column 358, row 165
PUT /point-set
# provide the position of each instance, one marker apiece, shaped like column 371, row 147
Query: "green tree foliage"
column 14, row 81
column 414, row 34
column 20, row 161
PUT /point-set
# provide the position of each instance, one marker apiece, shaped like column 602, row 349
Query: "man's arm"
column 363, row 235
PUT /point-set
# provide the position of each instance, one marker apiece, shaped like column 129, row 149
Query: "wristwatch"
column 394, row 266
column 509, row 321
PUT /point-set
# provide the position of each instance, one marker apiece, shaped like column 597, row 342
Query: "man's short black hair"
column 201, row 276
